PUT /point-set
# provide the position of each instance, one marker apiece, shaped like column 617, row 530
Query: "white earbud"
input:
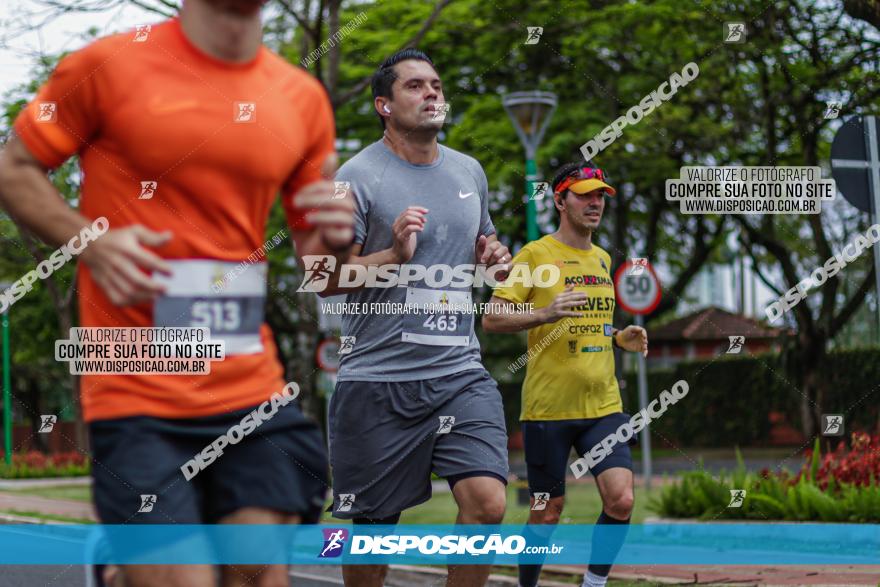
column 385, row 108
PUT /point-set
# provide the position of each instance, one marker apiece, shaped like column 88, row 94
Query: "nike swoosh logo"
column 463, row 196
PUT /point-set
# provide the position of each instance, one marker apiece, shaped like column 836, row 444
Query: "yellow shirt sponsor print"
column 573, row 376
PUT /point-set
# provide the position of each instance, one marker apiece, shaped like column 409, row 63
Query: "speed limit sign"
column 637, row 287
column 327, row 355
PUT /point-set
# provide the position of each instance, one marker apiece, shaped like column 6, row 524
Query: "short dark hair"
column 564, row 172
column 385, row 75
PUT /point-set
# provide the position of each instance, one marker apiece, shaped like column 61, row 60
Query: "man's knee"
column 274, row 580
column 274, row 576
column 620, row 504
column 554, row 510
column 279, row 581
column 166, row 576
column 364, row 575
column 255, row 576
column 492, row 510
column 488, row 510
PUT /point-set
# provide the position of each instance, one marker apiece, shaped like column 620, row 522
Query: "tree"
column 54, row 301
column 867, row 10
column 792, row 67
column 756, row 103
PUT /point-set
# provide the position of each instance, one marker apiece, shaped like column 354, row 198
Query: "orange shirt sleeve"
column 64, row 116
column 318, row 115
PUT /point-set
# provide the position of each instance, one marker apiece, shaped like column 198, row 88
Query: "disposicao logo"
column 334, row 542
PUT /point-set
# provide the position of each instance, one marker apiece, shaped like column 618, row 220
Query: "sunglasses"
column 579, row 175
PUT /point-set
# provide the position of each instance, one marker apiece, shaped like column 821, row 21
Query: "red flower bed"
column 62, row 459
column 859, row 465
column 37, row 464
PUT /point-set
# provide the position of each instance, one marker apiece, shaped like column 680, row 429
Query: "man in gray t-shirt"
column 454, row 191
column 412, row 396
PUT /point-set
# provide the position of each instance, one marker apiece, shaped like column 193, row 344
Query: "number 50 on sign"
column 637, row 287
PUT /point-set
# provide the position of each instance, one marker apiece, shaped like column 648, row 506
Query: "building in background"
column 705, row 334
column 733, row 286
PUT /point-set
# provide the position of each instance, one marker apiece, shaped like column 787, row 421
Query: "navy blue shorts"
column 548, row 444
column 281, row 466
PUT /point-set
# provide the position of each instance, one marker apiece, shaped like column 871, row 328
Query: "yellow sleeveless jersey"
column 570, row 374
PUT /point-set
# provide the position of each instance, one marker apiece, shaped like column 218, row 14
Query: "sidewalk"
column 41, row 505
column 46, row 482
column 741, row 575
column 850, row 575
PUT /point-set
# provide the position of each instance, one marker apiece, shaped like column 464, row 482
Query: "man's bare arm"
column 409, row 223
column 385, row 257
column 117, row 259
column 30, row 198
column 332, row 219
column 510, row 319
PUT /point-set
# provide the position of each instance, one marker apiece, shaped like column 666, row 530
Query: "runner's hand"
column 633, row 339
column 493, row 253
column 562, row 305
column 119, row 263
column 404, row 229
column 332, row 218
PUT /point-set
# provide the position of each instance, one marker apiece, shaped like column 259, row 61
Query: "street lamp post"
column 7, row 384
column 530, row 113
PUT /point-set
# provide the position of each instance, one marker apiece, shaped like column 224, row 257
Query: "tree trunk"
column 33, row 395
column 808, row 425
column 813, row 356
column 302, row 362
column 65, row 322
column 304, row 46
column 79, row 426
column 335, row 51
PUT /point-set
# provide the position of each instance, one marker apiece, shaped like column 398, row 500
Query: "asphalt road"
column 74, row 576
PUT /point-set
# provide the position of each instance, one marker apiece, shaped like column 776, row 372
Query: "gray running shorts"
column 387, row 437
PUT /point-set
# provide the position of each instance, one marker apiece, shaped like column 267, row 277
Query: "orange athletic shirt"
column 159, row 109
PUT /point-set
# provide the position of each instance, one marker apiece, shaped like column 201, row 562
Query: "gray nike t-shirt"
column 415, row 346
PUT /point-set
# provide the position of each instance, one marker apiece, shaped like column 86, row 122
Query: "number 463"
column 442, row 322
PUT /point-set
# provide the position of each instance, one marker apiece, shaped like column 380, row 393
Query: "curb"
column 16, row 519
column 66, row 508
column 43, row 482
column 407, row 571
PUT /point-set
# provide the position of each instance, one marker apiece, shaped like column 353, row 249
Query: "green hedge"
column 769, row 496
column 730, row 398
column 727, row 404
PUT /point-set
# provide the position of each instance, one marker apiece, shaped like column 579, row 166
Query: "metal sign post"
column 855, row 163
column 7, row 390
column 638, row 291
column 645, row 438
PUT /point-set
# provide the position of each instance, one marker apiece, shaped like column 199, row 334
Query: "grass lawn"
column 582, row 506
column 73, row 492
column 709, row 454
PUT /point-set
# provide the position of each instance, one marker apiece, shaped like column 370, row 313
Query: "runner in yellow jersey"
column 570, row 393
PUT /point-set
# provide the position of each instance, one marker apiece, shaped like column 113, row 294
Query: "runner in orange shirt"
column 186, row 133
